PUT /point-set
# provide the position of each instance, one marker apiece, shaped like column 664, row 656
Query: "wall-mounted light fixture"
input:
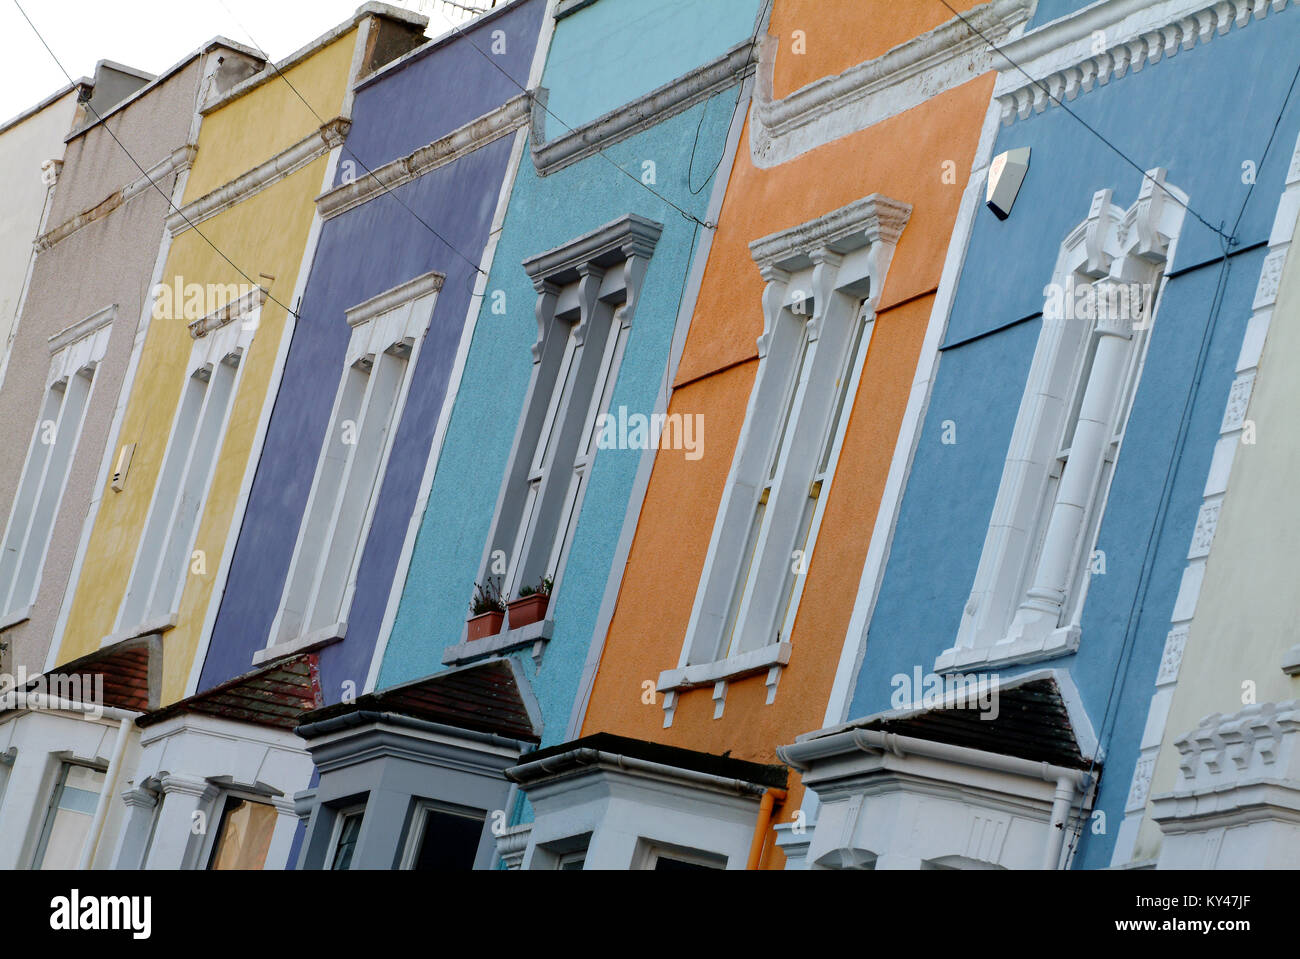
column 1006, row 174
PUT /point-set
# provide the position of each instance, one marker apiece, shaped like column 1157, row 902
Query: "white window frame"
column 824, row 280
column 650, row 851
column 1027, row 601
column 7, row 760
column 51, row 806
column 419, row 822
column 76, row 354
column 341, row 816
column 587, row 292
column 387, row 333
column 160, row 570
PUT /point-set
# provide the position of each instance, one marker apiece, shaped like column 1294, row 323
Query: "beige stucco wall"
column 24, row 147
column 1247, row 615
column 110, row 261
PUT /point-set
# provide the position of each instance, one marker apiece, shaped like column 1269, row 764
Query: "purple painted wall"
column 361, row 254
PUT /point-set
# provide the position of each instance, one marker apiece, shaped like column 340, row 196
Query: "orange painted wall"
column 902, row 158
column 838, row 34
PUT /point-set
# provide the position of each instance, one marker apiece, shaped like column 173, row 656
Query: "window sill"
column 16, row 617
column 733, row 667
column 148, row 628
column 307, row 642
column 1059, row 642
column 536, row 635
column 1291, row 661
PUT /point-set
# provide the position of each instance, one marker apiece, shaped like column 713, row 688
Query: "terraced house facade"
column 653, row 434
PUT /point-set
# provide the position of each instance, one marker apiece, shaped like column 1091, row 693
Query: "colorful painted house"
column 31, row 151
column 205, row 372
column 1229, row 678
column 812, row 314
column 581, row 312
column 1001, row 663
column 86, row 301
column 408, row 225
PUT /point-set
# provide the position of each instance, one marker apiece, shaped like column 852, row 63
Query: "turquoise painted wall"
column 541, row 216
column 614, row 51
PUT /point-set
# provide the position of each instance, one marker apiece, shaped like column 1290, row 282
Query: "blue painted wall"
column 1049, row 10
column 541, row 216
column 1201, row 115
column 361, row 254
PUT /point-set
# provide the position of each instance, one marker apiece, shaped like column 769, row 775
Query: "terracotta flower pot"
column 528, row 609
column 485, row 624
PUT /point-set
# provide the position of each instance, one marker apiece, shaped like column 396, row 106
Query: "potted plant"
column 531, row 604
column 486, row 610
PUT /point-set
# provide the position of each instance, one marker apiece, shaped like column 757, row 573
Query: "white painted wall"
column 24, row 147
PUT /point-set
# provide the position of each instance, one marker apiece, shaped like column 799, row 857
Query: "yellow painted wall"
column 245, row 132
column 265, row 234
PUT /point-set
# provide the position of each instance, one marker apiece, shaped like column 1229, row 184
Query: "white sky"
column 151, row 35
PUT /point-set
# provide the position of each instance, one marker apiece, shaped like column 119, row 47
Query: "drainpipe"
column 770, row 798
column 1065, row 788
column 110, row 783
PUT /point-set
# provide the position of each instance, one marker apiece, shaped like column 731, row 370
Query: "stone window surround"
column 834, row 266
column 594, row 278
column 218, row 338
column 373, row 334
column 75, row 353
column 1004, row 622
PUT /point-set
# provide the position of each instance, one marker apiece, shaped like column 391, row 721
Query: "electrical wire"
column 145, row 173
column 1087, row 126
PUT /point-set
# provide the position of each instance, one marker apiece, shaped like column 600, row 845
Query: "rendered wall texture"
column 108, row 262
column 989, row 343
column 265, row 233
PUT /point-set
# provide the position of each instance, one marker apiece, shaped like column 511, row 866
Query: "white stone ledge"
column 307, row 642
column 733, row 667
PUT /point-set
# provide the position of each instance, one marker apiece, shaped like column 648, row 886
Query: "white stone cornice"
column 185, row 785
column 176, row 161
column 873, row 219
column 241, row 308
column 863, row 95
column 672, row 98
column 283, row 164
column 384, row 302
column 138, row 798
column 510, row 116
column 83, row 328
column 1064, row 59
column 512, row 844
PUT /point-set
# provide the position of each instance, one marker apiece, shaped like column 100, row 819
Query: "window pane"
column 348, row 834
column 449, row 841
column 70, row 815
column 668, row 864
column 245, row 834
